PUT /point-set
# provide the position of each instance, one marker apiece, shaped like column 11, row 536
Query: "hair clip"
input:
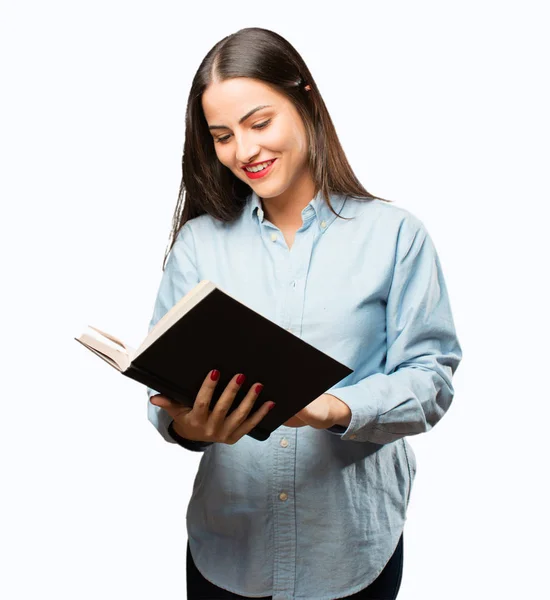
column 307, row 87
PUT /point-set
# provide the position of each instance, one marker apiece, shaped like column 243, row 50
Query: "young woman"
column 270, row 210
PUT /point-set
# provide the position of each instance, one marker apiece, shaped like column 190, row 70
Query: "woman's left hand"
column 322, row 413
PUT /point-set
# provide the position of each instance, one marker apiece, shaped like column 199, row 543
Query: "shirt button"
column 283, row 496
column 273, row 237
column 352, row 436
column 284, row 442
column 323, row 224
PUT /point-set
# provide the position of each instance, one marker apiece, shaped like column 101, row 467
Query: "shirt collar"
column 317, row 209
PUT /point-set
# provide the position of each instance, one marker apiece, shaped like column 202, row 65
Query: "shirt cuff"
column 363, row 413
column 337, row 429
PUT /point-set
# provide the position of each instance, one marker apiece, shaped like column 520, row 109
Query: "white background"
column 441, row 107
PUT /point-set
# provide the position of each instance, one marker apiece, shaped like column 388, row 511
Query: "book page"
column 116, row 353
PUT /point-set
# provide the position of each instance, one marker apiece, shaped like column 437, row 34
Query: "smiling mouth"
column 259, row 167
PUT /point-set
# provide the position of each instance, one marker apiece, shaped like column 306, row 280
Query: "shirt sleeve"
column 423, row 352
column 180, row 275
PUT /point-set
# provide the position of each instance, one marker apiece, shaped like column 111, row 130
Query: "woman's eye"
column 261, row 125
column 224, row 139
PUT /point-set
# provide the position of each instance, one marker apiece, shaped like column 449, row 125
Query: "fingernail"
column 214, row 375
column 259, row 388
column 240, row 379
column 271, row 405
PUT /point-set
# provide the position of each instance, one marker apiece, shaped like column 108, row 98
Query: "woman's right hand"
column 201, row 424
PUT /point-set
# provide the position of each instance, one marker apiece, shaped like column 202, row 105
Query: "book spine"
column 176, row 394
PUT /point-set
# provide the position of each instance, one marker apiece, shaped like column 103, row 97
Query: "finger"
column 242, row 411
column 201, row 406
column 250, row 423
column 225, row 401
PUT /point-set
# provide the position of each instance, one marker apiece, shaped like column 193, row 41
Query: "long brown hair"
column 209, row 187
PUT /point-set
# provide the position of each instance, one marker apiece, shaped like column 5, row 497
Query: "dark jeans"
column 384, row 587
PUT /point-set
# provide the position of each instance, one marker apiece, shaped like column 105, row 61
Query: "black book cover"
column 222, row 333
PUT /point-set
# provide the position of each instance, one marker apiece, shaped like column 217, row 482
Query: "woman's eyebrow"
column 242, row 119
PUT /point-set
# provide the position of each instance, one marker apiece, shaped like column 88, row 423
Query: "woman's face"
column 273, row 133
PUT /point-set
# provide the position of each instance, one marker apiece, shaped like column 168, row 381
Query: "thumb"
column 294, row 422
column 172, row 408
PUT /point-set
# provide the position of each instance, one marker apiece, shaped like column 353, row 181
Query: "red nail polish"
column 240, row 379
column 271, row 405
column 259, row 388
column 215, row 375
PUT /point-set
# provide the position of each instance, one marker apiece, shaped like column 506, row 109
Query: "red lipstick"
column 261, row 173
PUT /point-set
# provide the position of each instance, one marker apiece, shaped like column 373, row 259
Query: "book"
column 209, row 329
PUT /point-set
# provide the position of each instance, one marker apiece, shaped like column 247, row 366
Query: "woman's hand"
column 201, row 424
column 322, row 413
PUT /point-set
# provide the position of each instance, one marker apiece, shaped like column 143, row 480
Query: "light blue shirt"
column 315, row 514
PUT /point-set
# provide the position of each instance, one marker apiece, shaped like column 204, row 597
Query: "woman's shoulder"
column 385, row 214
column 207, row 222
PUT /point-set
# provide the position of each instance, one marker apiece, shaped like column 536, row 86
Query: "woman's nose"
column 246, row 150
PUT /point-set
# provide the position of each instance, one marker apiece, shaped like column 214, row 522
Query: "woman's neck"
column 285, row 210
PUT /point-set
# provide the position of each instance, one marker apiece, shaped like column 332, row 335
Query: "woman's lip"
column 258, row 163
column 261, row 173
